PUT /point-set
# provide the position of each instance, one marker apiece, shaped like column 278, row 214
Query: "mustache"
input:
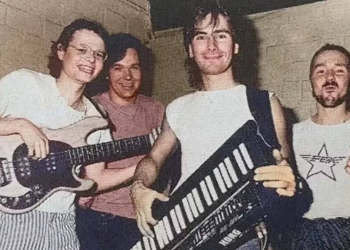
column 330, row 83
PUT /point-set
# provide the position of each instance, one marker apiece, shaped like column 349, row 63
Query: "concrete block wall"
column 28, row 26
column 286, row 41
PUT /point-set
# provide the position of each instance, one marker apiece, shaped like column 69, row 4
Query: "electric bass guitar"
column 25, row 183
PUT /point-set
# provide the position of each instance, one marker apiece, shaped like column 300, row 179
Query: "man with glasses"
column 109, row 223
column 30, row 101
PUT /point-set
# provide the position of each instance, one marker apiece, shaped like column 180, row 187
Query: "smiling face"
column 330, row 78
column 212, row 46
column 125, row 78
column 78, row 68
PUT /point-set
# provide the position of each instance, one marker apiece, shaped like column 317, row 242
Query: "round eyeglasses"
column 85, row 50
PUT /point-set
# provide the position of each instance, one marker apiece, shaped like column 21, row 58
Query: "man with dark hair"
column 109, row 223
column 202, row 121
column 321, row 146
column 31, row 102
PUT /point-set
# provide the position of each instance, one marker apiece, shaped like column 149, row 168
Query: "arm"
column 11, row 91
column 149, row 167
column 32, row 136
column 278, row 176
column 108, row 178
column 146, row 173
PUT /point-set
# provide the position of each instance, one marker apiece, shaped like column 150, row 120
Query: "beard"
column 329, row 101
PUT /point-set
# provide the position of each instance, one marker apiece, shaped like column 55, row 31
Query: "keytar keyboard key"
column 246, row 156
column 220, row 180
column 231, row 170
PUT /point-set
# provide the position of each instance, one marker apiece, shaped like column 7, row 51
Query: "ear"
column 236, row 49
column 60, row 51
column 190, row 51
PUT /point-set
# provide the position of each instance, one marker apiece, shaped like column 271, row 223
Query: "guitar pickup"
column 4, row 172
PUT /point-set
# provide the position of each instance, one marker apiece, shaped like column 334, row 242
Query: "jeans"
column 103, row 231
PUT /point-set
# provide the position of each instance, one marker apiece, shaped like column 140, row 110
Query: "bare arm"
column 148, row 168
column 280, row 126
column 33, row 137
column 108, row 178
column 146, row 173
column 278, row 176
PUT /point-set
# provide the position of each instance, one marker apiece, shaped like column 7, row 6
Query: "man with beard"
column 321, row 145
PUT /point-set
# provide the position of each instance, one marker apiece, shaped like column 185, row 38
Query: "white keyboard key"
column 152, row 243
column 198, row 200
column 225, row 175
column 192, row 205
column 240, row 162
column 205, row 193
column 168, row 229
column 231, row 170
column 146, row 243
column 211, row 188
column 161, row 235
column 246, row 156
column 174, row 221
column 186, row 206
column 180, row 216
column 138, row 246
column 219, row 180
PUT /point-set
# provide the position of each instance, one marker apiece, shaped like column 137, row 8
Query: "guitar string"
column 63, row 154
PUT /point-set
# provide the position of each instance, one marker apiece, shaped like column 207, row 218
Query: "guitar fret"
column 114, row 150
column 82, row 155
column 61, row 159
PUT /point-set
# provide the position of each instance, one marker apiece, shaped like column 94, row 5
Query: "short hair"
column 66, row 36
column 330, row 47
column 197, row 12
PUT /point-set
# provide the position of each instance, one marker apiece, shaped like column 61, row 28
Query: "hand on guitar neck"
column 26, row 182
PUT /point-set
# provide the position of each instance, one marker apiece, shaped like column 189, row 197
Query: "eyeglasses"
column 84, row 50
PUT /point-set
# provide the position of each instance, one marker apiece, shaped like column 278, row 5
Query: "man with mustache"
column 321, row 144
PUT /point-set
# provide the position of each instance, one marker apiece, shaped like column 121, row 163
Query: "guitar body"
column 25, row 183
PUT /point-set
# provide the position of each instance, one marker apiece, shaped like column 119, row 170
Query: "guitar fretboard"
column 114, row 150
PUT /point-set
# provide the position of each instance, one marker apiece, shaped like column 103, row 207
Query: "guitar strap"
column 260, row 107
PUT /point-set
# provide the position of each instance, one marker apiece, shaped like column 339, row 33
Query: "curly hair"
column 66, row 36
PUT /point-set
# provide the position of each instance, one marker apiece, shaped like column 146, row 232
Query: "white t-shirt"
column 35, row 97
column 321, row 153
column 204, row 120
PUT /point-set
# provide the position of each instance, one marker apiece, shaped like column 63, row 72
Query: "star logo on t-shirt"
column 322, row 163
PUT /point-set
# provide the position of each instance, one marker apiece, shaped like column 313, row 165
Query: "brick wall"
column 28, row 26
column 276, row 50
